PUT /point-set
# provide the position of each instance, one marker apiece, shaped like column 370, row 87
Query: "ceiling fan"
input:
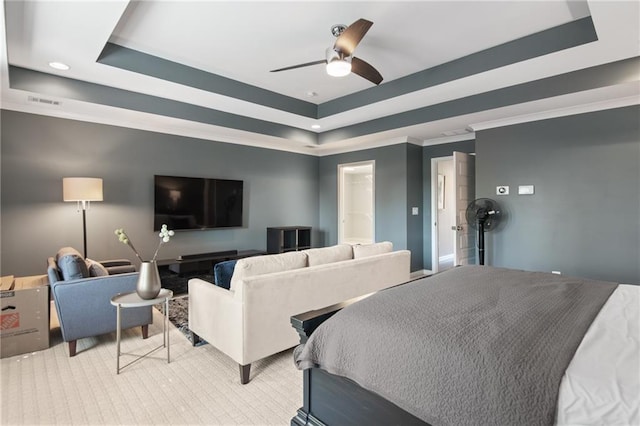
column 339, row 58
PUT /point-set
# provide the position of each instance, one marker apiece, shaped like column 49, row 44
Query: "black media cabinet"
column 288, row 238
column 175, row 273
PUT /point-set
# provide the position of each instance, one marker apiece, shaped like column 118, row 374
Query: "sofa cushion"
column 259, row 265
column 223, row 272
column 320, row 256
column 96, row 269
column 366, row 250
column 71, row 264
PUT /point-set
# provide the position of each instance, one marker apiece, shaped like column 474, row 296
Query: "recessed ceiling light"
column 59, row 66
column 312, row 94
column 315, row 126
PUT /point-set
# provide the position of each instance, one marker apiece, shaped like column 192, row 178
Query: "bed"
column 475, row 345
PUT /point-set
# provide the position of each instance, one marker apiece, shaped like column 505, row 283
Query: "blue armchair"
column 82, row 290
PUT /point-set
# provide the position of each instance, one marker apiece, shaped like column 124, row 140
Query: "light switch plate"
column 525, row 190
column 502, row 190
column 414, row 211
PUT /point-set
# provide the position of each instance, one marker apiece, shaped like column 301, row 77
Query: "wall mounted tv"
column 197, row 203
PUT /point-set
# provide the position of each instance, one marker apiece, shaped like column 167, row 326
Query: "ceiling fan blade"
column 323, row 61
column 364, row 70
column 349, row 39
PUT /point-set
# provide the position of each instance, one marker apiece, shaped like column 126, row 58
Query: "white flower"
column 123, row 238
column 165, row 235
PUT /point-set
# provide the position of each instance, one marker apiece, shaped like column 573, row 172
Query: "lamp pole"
column 82, row 190
column 84, row 228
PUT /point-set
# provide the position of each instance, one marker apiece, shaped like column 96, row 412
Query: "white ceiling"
column 244, row 40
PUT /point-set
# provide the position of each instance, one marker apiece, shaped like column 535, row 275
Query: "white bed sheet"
column 601, row 386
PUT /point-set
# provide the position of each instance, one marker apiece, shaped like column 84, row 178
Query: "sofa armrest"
column 120, row 269
column 215, row 314
column 115, row 262
column 96, row 285
column 118, row 266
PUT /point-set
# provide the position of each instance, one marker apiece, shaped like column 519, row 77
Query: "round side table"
column 132, row 300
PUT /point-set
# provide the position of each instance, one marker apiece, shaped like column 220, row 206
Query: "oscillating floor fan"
column 484, row 215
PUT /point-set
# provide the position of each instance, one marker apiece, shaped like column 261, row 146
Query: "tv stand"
column 204, row 262
column 213, row 254
column 175, row 273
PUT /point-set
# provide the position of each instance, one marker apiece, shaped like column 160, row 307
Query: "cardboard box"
column 7, row 283
column 24, row 320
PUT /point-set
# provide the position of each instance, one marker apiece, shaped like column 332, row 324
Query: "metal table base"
column 132, row 300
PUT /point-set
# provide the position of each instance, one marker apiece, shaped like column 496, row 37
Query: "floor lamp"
column 82, row 190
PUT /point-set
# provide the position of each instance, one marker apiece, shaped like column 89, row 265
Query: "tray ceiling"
column 201, row 69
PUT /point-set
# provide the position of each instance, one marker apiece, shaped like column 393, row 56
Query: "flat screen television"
column 197, row 203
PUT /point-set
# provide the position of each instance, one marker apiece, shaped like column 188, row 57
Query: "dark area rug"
column 179, row 316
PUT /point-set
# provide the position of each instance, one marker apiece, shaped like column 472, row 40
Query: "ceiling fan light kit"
column 339, row 68
column 338, row 65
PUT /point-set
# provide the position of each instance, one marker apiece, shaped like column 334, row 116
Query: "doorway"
column 443, row 213
column 356, row 203
column 452, row 188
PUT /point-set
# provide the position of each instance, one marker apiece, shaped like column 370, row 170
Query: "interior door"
column 464, row 182
column 356, row 204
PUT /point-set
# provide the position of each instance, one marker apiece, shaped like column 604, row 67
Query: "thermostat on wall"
column 525, row 190
column 502, row 190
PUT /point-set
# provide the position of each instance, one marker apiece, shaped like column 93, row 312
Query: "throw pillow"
column 96, row 269
column 366, row 250
column 71, row 264
column 223, row 272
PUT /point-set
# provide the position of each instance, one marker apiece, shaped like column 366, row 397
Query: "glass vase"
column 149, row 284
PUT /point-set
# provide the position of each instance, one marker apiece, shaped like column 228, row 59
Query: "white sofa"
column 251, row 320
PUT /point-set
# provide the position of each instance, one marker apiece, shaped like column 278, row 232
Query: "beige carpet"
column 199, row 386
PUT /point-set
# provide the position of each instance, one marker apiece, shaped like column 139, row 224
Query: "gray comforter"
column 475, row 345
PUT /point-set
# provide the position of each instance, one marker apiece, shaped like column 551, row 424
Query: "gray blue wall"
column 584, row 218
column 394, row 196
column 415, row 234
column 37, row 152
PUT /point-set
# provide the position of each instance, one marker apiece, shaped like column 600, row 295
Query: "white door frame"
column 340, row 192
column 435, row 252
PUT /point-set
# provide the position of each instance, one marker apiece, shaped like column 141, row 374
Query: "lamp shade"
column 81, row 189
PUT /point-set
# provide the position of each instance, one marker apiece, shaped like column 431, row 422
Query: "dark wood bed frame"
column 334, row 400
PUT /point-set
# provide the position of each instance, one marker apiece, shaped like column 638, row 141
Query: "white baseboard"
column 421, row 273
column 446, row 258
